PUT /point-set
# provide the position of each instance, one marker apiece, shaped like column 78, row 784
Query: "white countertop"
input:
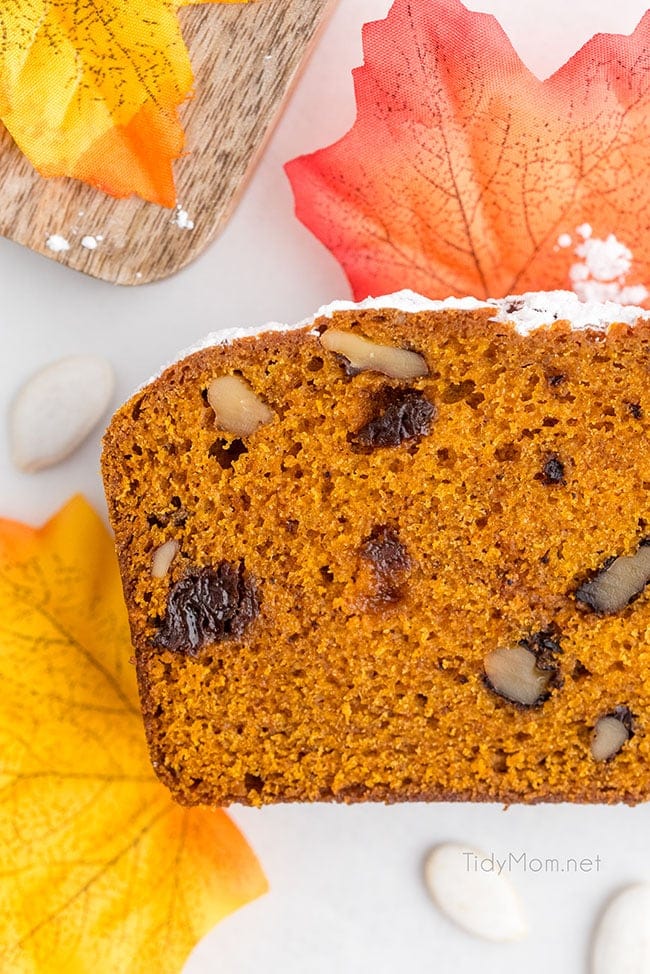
column 346, row 883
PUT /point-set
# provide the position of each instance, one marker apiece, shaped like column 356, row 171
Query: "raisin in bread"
column 398, row 552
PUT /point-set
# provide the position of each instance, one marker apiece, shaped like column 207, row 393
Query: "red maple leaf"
column 465, row 174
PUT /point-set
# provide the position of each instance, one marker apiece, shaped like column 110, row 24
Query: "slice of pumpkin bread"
column 398, row 552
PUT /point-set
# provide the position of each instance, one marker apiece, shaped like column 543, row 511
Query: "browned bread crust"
column 324, row 627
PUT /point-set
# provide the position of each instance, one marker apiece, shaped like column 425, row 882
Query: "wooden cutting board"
column 245, row 59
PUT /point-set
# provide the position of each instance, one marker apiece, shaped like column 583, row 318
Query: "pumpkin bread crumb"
column 341, row 576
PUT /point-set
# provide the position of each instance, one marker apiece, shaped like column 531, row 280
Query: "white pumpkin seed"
column 484, row 903
column 56, row 409
column 621, row 941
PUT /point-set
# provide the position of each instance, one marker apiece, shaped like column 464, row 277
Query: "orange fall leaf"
column 100, row 870
column 465, row 174
column 91, row 88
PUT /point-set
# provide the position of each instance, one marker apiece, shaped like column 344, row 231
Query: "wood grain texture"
column 245, row 59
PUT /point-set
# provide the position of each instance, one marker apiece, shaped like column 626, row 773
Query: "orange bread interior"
column 373, row 581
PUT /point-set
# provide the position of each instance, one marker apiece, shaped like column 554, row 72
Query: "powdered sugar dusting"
column 539, row 309
column 525, row 313
column 57, row 244
column 182, row 219
column 407, row 301
column 224, row 337
column 602, row 268
column 229, row 335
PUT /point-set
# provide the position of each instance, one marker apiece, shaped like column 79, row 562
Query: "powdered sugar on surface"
column 90, row 243
column 224, row 337
column 538, row 309
column 182, row 219
column 57, row 244
column 407, row 301
column 603, row 266
column 525, row 313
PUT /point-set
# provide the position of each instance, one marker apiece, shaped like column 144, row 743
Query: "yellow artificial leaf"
column 91, row 89
column 100, row 870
